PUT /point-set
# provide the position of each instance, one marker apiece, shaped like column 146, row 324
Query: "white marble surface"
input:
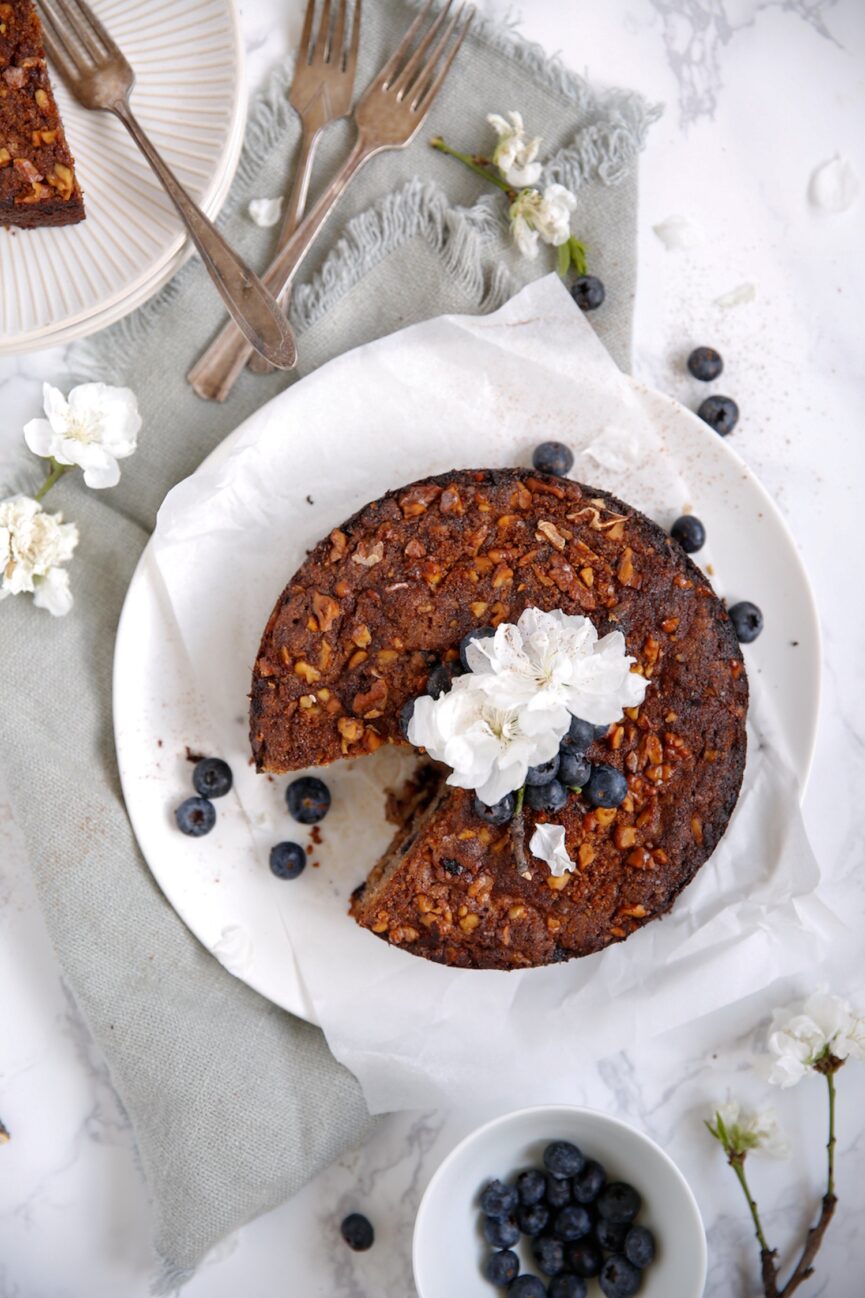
column 758, row 93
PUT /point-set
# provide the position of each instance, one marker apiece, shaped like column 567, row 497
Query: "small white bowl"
column 449, row 1250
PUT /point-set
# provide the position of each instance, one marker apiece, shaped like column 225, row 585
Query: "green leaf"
column 578, row 255
column 563, row 258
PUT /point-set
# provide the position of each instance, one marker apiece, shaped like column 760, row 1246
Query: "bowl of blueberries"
column 558, row 1202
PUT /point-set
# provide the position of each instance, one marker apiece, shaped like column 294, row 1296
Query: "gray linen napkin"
column 234, row 1103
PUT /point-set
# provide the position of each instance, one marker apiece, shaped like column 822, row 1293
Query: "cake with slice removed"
column 384, row 601
column 38, row 185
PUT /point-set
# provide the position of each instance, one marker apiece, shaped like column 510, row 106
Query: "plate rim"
column 304, row 1008
column 181, row 248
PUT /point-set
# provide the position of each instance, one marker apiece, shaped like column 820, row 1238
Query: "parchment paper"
column 469, row 392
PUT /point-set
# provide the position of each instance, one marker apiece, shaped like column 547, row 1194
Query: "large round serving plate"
column 324, row 467
column 58, row 285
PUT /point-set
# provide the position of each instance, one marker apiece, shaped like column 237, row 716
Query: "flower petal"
column 52, row 592
column 40, row 437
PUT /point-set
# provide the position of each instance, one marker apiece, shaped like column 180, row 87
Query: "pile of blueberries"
column 579, row 1226
column 307, row 799
column 211, row 778
column 720, row 413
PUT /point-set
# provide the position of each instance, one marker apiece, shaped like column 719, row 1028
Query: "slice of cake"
column 384, row 602
column 38, row 186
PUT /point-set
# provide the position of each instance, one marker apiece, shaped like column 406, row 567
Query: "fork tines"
column 417, row 75
column 326, row 43
column 74, row 36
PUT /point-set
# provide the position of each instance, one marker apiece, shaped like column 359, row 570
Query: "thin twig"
column 57, row 472
column 438, row 143
column 518, row 835
column 4, row 1134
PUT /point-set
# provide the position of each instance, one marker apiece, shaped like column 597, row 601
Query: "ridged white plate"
column 56, row 285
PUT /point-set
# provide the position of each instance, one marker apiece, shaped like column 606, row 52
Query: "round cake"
column 386, row 599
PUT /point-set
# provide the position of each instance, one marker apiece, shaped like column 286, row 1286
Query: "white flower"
column 94, row 428
column 265, row 211
column 489, row 748
column 548, row 844
column 546, row 216
column 748, row 1130
column 515, row 153
column 800, row 1035
column 555, row 661
column 32, row 546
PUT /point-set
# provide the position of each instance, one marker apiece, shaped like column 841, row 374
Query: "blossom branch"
column 4, row 1134
column 57, row 472
column 474, row 165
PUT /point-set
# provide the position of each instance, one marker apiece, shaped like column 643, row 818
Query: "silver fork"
column 321, row 92
column 98, row 75
column 388, row 116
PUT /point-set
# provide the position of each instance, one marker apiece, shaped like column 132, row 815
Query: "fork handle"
column 215, row 372
column 258, row 315
column 296, row 204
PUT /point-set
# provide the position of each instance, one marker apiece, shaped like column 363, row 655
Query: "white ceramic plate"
column 56, row 285
column 449, row 1250
column 220, row 885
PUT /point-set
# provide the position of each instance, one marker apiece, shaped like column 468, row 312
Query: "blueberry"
column 567, row 1286
column 499, row 813
column 546, row 797
column 607, row 787
column 580, row 735
column 619, row 1202
column 574, row 769
column 438, row 681
column 562, row 1158
column 554, row 458
column 588, row 292
column 747, row 621
column 502, row 1268
column 548, row 1254
column 689, row 532
column 287, row 860
column 406, row 713
column 498, row 1199
column 585, row 1258
column 479, row 633
column 526, row 1286
column 611, row 1234
column 601, row 732
column 720, row 413
column 195, row 816
column 705, row 363
column 212, row 777
column 558, row 1191
column 588, row 1185
column 619, row 1278
column 572, row 1223
column 533, row 1220
column 531, row 1186
column 544, row 773
column 640, row 1247
column 357, row 1232
column 308, row 800
column 501, row 1232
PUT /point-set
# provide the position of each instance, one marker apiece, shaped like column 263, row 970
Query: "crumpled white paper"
column 470, row 392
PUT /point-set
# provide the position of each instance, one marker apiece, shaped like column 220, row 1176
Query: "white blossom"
column 749, row 1130
column 801, row 1034
column 544, row 216
column 515, row 152
column 33, row 545
column 94, row 427
column 489, row 748
column 548, row 844
column 555, row 661
column 265, row 212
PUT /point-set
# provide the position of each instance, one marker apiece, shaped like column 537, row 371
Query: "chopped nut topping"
column 367, row 554
column 551, row 533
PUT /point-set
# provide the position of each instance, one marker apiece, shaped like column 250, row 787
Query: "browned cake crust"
column 391, row 593
column 38, row 186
